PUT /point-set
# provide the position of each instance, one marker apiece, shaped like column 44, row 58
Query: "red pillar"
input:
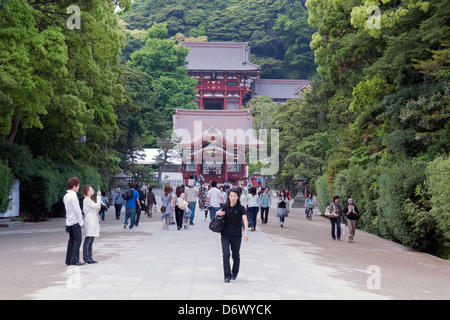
column 197, row 171
column 225, row 100
column 226, row 169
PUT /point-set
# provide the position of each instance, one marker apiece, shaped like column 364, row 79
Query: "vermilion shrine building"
column 218, row 132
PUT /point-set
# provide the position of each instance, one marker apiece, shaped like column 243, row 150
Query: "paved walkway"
column 187, row 264
column 299, row 261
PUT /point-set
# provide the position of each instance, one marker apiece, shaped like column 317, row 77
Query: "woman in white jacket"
column 91, row 221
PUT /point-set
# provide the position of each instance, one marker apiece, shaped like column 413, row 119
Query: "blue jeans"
column 252, row 214
column 192, row 205
column 212, row 212
column 130, row 213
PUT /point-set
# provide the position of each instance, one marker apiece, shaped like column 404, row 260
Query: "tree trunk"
column 14, row 129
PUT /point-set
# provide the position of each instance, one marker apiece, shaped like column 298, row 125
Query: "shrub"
column 438, row 184
column 323, row 193
column 361, row 185
column 400, row 205
column 6, row 177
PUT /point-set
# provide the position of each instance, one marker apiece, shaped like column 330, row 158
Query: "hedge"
column 6, row 178
column 405, row 200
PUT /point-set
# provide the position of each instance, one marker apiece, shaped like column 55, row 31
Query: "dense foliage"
column 378, row 117
column 277, row 30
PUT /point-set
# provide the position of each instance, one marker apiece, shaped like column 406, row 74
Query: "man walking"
column 214, row 199
column 264, row 202
column 74, row 222
column 130, row 207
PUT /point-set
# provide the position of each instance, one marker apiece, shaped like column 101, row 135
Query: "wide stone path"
column 299, row 261
column 187, row 264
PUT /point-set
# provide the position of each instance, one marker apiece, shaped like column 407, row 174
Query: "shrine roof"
column 219, row 56
column 279, row 88
column 200, row 123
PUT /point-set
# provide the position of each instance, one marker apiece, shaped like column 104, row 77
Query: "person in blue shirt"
column 309, row 205
column 265, row 202
column 118, row 202
column 130, row 207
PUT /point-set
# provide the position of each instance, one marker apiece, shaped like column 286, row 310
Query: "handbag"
column 163, row 208
column 182, row 205
column 217, row 224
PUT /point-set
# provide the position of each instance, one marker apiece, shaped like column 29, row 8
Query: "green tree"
column 31, row 60
column 165, row 63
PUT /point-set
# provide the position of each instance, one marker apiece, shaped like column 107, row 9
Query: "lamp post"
column 299, row 200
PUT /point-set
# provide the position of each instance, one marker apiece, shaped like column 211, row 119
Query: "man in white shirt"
column 214, row 199
column 74, row 222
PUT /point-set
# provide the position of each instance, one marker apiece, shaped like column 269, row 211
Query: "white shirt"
column 191, row 194
column 73, row 210
column 214, row 195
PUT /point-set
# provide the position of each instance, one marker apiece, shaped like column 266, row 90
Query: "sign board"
column 14, row 201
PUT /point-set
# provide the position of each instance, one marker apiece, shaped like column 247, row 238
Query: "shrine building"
column 215, row 136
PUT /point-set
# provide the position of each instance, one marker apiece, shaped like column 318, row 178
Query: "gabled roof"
column 219, row 56
column 200, row 123
column 278, row 88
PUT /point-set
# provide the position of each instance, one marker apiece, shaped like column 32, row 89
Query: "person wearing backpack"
column 130, row 205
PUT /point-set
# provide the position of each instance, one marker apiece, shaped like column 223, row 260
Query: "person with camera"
column 352, row 214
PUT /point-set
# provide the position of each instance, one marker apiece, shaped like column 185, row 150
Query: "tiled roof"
column 219, row 56
column 278, row 88
column 200, row 123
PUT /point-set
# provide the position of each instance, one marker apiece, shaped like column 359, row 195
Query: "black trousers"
column 73, row 246
column 235, row 244
column 179, row 214
column 118, row 209
column 264, row 214
column 335, row 224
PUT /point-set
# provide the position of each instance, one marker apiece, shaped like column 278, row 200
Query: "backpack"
column 128, row 194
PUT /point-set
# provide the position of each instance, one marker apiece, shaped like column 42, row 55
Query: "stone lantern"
column 121, row 180
column 300, row 185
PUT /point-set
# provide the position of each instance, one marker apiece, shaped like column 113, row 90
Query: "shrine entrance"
column 213, row 104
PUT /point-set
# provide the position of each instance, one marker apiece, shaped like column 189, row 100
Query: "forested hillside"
column 277, row 30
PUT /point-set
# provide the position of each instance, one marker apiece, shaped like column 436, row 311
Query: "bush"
column 361, row 185
column 402, row 204
column 41, row 191
column 6, row 177
column 43, row 181
column 323, row 193
column 438, row 184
